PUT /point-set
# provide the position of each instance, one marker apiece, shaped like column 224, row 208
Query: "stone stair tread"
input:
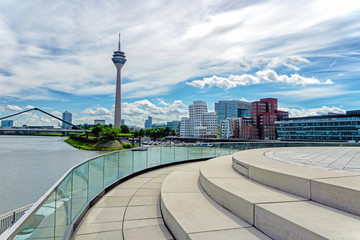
column 278, row 214
column 238, row 194
column 190, row 211
column 230, row 234
column 288, row 221
column 340, row 190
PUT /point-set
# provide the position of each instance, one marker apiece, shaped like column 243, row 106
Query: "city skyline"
column 305, row 53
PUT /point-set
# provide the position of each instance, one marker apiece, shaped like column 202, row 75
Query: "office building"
column 159, row 125
column 231, row 109
column 200, row 122
column 67, row 116
column 329, row 128
column 350, row 112
column 119, row 60
column 101, row 122
column 148, row 123
column 174, row 125
column 7, row 123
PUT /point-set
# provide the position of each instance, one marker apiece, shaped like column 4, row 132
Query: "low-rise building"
column 101, row 122
column 7, row 123
column 340, row 127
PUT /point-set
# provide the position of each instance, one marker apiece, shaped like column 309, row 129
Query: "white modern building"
column 99, row 121
column 200, row 122
column 225, row 129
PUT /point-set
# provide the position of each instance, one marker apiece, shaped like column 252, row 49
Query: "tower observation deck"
column 119, row 60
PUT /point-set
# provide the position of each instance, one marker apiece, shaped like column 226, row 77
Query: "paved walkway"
column 129, row 211
column 331, row 158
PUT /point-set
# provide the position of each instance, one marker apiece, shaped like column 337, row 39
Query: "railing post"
column 13, row 219
column 160, row 155
column 103, row 171
column 118, row 166
column 187, row 151
column 132, row 162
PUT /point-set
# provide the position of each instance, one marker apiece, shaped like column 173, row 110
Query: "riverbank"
column 98, row 145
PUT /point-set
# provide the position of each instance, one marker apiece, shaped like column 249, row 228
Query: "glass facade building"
column 67, row 116
column 320, row 128
column 7, row 123
column 231, row 109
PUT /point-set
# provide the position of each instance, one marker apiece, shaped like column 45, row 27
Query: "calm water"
column 30, row 165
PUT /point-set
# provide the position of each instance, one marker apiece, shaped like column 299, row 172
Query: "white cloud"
column 266, row 76
column 162, row 102
column 97, row 112
column 271, row 76
column 316, row 92
column 209, row 38
column 137, row 112
column 29, row 107
column 222, row 82
column 57, row 114
column 13, row 108
column 324, row 110
column 289, row 61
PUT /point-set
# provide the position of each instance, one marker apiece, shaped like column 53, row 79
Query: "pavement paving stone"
column 88, row 228
column 109, row 235
column 129, row 211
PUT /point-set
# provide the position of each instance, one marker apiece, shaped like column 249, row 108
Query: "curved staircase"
column 251, row 196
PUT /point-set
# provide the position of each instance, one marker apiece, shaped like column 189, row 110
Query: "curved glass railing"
column 53, row 215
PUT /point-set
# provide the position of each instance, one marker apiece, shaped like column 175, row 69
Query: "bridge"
column 39, row 130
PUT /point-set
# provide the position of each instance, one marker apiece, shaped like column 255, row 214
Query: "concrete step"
column 305, row 220
column 235, row 192
column 277, row 214
column 339, row 190
column 189, row 213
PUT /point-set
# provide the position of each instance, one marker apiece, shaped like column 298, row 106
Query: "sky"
column 56, row 56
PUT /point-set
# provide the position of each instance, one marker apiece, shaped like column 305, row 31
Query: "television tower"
column 119, row 60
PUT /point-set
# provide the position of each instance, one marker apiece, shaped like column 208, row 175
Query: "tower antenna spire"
column 119, row 43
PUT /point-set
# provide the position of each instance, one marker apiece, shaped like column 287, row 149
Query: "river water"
column 30, row 165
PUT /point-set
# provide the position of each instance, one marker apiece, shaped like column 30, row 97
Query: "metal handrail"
column 8, row 219
column 18, row 225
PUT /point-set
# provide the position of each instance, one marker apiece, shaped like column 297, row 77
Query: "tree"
column 125, row 129
column 173, row 132
column 96, row 130
column 167, row 131
column 108, row 134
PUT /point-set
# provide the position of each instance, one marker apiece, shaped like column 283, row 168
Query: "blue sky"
column 57, row 56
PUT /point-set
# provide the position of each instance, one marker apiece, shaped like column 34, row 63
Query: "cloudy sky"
column 56, row 55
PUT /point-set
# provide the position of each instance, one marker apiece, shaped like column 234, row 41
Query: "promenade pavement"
column 330, row 158
column 130, row 211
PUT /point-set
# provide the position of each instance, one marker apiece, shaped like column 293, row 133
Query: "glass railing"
column 53, row 215
column 55, row 212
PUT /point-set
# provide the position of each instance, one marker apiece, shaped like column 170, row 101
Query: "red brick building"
column 261, row 124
